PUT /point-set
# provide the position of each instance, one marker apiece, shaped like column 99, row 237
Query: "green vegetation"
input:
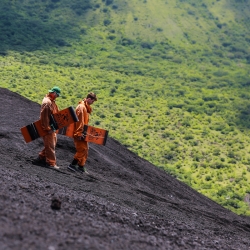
column 172, row 78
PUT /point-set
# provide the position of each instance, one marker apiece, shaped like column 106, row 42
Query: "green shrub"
column 167, row 134
column 231, row 203
column 220, row 73
column 177, row 60
column 212, row 97
column 111, row 37
column 194, row 143
column 218, row 165
column 97, row 123
column 208, row 178
column 231, row 154
column 109, row 2
column 169, row 155
column 147, row 45
column 188, row 137
column 106, row 22
column 118, row 115
column 216, row 152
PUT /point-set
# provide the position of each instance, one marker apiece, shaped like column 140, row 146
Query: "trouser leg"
column 48, row 151
column 81, row 154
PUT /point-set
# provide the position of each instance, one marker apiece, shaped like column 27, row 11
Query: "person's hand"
column 52, row 127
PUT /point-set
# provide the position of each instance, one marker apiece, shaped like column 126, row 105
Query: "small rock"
column 56, row 204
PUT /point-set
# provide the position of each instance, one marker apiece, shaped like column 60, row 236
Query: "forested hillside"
column 172, row 77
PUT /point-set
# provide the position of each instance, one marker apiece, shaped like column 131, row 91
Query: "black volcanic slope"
column 125, row 202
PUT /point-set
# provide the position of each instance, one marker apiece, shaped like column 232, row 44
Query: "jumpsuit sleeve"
column 56, row 109
column 45, row 117
column 79, row 125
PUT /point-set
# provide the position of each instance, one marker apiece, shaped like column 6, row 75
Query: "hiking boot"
column 39, row 161
column 52, row 167
column 72, row 168
column 83, row 170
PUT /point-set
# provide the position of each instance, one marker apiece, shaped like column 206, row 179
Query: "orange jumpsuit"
column 48, row 107
column 82, row 111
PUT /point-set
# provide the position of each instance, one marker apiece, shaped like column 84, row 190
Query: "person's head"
column 91, row 98
column 55, row 92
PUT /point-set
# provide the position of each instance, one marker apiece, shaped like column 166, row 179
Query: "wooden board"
column 59, row 120
column 95, row 135
column 90, row 133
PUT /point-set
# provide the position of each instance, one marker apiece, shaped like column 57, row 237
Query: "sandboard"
column 90, row 133
column 58, row 120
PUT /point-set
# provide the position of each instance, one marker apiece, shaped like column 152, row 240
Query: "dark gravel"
column 125, row 202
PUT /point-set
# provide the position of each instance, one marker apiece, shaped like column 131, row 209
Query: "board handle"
column 105, row 138
column 53, row 123
column 33, row 131
column 73, row 114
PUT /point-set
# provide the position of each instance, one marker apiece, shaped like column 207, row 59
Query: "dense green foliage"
column 172, row 78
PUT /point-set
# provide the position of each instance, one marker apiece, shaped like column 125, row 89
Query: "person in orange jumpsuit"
column 83, row 110
column 48, row 107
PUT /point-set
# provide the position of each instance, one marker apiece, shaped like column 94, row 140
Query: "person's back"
column 48, row 107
